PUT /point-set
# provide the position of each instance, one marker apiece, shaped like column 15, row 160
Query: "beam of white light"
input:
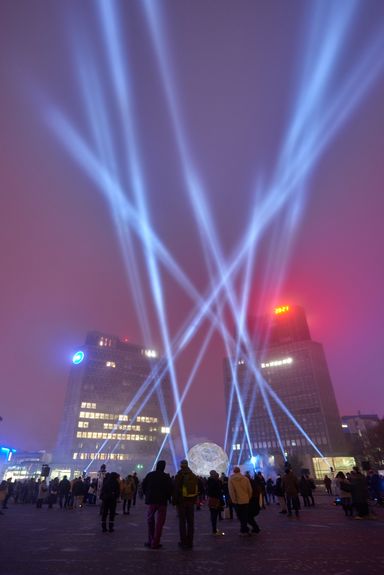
column 198, row 199
column 114, row 51
column 164, row 411
column 95, row 107
column 253, row 370
column 98, row 172
column 232, row 265
column 346, row 112
column 82, row 154
column 375, row 68
column 281, row 404
column 241, row 317
column 321, row 58
column 190, row 380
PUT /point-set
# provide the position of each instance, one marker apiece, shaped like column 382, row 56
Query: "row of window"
column 102, row 456
column 147, row 419
column 86, row 405
column 120, row 436
column 286, row 442
column 114, row 417
column 105, row 342
column 123, row 426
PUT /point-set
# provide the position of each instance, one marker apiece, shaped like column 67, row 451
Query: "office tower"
column 108, row 417
column 294, row 368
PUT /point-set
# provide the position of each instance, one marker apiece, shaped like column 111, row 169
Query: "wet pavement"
column 321, row 541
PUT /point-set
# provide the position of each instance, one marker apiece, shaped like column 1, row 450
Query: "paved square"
column 321, row 541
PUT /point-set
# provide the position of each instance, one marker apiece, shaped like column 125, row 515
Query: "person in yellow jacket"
column 240, row 491
column 127, row 489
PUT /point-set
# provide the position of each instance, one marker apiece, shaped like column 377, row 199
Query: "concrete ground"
column 321, row 541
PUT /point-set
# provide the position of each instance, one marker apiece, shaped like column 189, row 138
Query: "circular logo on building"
column 204, row 457
column 78, row 357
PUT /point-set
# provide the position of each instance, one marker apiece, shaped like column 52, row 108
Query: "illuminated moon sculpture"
column 204, row 457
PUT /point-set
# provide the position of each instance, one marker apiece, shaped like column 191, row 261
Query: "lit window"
column 165, row 429
column 110, row 364
column 150, row 353
column 278, row 362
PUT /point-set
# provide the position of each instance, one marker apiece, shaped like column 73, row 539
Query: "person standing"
column 345, row 490
column 270, row 487
column 260, row 480
column 10, row 492
column 305, row 490
column 53, row 491
column 157, row 490
column 228, row 511
column 254, row 504
column 78, row 493
column 136, row 482
column 240, row 491
column 64, row 491
column 127, row 489
column 3, row 494
column 184, row 497
column 279, row 492
column 328, row 484
column 359, row 493
column 291, row 487
column 312, row 486
column 100, row 478
column 42, row 493
column 215, row 499
column 109, row 495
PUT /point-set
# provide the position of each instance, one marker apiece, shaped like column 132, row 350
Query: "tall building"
column 108, row 417
column 294, row 368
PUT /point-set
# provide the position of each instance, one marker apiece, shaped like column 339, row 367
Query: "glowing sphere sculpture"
column 204, row 457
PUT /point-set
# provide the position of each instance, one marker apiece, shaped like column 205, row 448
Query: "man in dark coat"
column 359, row 493
column 64, row 491
column 157, row 489
column 110, row 492
column 290, row 485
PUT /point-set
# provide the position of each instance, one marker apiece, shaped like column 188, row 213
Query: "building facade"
column 290, row 369
column 116, row 409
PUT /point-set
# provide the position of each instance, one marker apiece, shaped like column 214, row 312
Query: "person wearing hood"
column 157, row 489
column 240, row 491
column 184, row 497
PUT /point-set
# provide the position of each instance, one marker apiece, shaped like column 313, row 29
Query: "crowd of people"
column 240, row 495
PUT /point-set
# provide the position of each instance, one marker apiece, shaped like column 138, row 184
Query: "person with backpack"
column 184, row 497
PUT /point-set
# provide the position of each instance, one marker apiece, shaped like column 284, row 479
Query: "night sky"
column 242, row 74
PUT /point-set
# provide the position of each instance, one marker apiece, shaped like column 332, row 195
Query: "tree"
column 376, row 444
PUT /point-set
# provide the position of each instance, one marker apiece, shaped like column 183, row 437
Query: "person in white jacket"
column 240, row 491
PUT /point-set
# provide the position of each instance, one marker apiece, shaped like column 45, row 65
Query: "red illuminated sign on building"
column 281, row 309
